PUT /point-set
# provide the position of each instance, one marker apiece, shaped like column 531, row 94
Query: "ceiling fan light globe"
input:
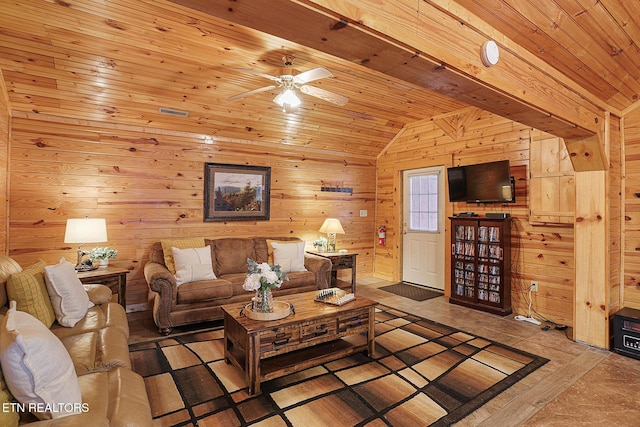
column 290, row 97
column 279, row 99
column 286, row 108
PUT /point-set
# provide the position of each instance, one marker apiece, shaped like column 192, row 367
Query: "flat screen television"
column 481, row 183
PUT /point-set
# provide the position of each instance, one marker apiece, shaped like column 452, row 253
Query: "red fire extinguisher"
column 382, row 235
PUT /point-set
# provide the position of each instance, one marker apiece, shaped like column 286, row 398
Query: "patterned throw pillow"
column 28, row 289
column 193, row 242
column 8, row 418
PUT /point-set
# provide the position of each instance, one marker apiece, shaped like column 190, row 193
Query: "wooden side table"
column 340, row 261
column 113, row 277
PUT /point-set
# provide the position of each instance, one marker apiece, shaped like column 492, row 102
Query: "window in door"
column 424, row 209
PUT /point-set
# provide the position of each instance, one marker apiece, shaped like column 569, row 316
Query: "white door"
column 423, row 245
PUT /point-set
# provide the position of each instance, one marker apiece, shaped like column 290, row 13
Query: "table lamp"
column 331, row 226
column 82, row 231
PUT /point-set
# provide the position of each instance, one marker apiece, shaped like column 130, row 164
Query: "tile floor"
column 580, row 386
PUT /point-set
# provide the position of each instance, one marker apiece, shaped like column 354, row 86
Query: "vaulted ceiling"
column 119, row 61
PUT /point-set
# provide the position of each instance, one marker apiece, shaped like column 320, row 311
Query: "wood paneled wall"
column 631, row 291
column 149, row 186
column 616, row 185
column 542, row 253
column 5, row 120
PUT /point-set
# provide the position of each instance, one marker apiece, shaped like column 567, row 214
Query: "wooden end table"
column 113, row 277
column 340, row 261
column 315, row 334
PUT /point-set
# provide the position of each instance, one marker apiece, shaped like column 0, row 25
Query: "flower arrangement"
column 321, row 242
column 262, row 278
column 102, row 253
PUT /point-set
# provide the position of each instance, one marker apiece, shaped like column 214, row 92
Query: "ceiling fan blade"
column 311, row 75
column 257, row 73
column 324, row 94
column 251, row 92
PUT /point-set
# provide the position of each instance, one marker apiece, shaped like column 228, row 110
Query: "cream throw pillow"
column 28, row 290
column 167, row 245
column 193, row 265
column 290, row 256
column 37, row 367
column 68, row 297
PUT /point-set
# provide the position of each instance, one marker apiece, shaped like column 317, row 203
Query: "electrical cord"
column 530, row 301
column 521, row 289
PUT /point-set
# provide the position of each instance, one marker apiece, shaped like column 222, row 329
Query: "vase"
column 103, row 263
column 263, row 301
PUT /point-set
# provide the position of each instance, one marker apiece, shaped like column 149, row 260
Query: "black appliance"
column 482, row 183
column 626, row 332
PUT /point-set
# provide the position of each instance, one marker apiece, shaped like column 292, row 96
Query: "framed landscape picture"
column 236, row 192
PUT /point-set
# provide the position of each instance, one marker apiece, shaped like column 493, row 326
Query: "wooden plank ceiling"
column 121, row 60
column 594, row 43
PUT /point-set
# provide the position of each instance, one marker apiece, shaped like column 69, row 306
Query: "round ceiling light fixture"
column 490, row 53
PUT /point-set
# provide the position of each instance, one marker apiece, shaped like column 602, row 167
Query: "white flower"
column 271, row 276
column 252, row 282
column 263, row 276
column 264, row 267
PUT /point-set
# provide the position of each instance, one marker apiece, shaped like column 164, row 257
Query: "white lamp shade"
column 332, row 225
column 86, row 230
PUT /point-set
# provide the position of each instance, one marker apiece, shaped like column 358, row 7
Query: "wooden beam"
column 591, row 312
column 587, row 154
column 428, row 47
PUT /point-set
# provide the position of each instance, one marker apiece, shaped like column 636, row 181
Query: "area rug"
column 422, row 373
column 415, row 292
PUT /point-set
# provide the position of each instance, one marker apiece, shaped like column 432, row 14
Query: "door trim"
column 424, row 237
column 445, row 160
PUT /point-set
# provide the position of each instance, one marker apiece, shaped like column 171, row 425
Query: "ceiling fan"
column 289, row 80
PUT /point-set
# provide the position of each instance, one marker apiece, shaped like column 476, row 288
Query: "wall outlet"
column 363, row 212
column 534, row 286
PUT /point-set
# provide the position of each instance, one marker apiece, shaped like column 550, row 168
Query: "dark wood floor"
column 580, row 386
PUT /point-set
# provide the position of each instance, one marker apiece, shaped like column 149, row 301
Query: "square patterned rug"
column 422, row 373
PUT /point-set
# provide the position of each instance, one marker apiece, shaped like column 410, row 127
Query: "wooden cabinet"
column 551, row 182
column 481, row 263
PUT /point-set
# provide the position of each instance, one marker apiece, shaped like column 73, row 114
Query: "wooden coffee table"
column 318, row 332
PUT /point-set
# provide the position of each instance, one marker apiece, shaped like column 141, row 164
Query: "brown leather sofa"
column 98, row 345
column 201, row 301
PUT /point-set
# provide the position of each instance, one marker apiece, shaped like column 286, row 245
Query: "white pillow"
column 37, row 367
column 68, row 297
column 193, row 265
column 290, row 256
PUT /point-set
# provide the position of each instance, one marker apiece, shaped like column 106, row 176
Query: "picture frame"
column 236, row 192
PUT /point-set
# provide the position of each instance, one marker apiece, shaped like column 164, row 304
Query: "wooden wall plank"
column 5, row 132
column 615, row 200
column 631, row 230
